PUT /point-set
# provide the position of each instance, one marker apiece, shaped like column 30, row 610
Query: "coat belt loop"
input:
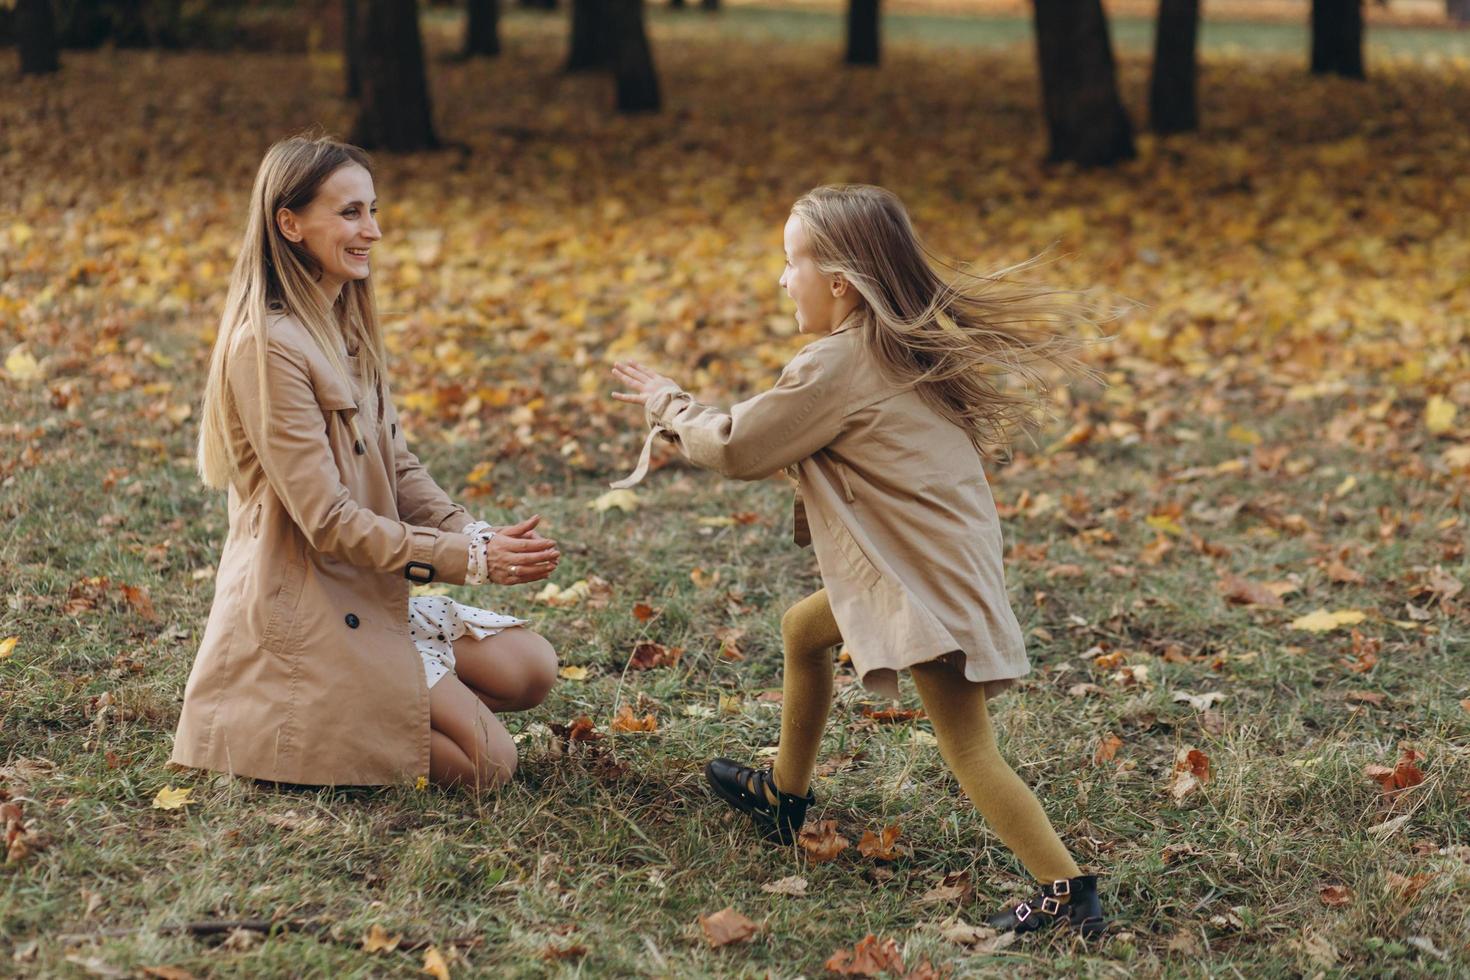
column 846, row 487
column 641, row 470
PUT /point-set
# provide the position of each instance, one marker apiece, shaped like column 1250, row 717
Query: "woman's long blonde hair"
column 982, row 350
column 274, row 275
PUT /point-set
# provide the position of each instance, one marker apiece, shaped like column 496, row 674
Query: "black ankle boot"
column 1071, row 901
column 745, row 790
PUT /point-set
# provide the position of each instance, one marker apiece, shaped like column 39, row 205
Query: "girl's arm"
column 757, row 437
column 296, row 456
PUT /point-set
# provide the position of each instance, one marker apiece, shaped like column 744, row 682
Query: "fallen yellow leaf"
column 624, row 500
column 1439, row 414
column 21, row 366
column 1239, row 433
column 7, row 646
column 570, row 673
column 377, row 940
column 1322, row 621
column 434, row 964
column 169, row 798
column 1162, row 522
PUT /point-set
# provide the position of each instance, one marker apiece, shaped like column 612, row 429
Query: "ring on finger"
column 515, row 571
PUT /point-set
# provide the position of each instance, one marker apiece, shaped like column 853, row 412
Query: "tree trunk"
column 395, row 113
column 1079, row 89
column 862, row 32
column 677, row 4
column 1337, row 38
column 482, row 28
column 710, row 5
column 632, row 59
column 35, row 35
column 1171, row 97
column 1458, row 11
column 350, row 56
column 590, row 47
column 539, row 4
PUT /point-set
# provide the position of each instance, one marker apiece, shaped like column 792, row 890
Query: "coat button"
column 352, row 621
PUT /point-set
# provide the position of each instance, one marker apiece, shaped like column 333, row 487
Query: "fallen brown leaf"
column 1191, row 771
column 1246, row 593
column 884, row 845
column 792, row 885
column 727, row 926
column 626, row 721
column 647, row 656
column 1407, row 887
column 822, row 842
column 891, row 716
column 1106, row 749
column 1335, row 896
column 953, row 887
column 870, row 957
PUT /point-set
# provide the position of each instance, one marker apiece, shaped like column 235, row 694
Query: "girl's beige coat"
column 899, row 511
column 306, row 673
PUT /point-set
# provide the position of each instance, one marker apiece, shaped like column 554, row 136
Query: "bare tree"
column 395, row 112
column 1337, row 38
column 590, row 45
column 862, row 32
column 1079, row 87
column 350, row 55
column 35, row 35
column 482, row 28
column 1172, row 103
column 632, row 58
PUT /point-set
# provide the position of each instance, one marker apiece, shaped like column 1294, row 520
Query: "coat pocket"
column 859, row 566
column 281, row 621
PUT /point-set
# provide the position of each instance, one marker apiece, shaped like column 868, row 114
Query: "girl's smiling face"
column 338, row 228
column 819, row 297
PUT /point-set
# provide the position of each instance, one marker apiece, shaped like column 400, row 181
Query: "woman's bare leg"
column 510, row 671
column 468, row 746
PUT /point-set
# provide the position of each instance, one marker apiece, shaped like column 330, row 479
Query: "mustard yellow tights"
column 961, row 721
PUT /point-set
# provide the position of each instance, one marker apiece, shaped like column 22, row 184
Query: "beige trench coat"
column 306, row 673
column 899, row 510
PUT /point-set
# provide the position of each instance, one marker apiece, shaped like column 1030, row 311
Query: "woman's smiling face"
column 338, row 228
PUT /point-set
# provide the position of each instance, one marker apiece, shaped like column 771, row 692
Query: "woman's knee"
column 539, row 660
column 495, row 763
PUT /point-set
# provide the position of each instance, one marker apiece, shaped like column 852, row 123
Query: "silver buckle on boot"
column 1061, row 888
column 1050, row 906
column 1023, row 912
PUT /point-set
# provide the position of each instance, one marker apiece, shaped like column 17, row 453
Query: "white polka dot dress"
column 436, row 621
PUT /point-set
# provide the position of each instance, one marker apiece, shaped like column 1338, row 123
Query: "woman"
column 316, row 666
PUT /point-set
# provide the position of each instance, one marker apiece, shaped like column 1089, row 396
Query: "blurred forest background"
column 1240, row 564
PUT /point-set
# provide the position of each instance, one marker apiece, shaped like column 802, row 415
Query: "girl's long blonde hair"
column 983, row 350
column 274, row 275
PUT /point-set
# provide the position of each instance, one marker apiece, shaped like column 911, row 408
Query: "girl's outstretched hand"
column 642, row 381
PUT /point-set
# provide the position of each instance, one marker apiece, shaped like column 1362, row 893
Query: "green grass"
column 991, row 30
column 620, row 850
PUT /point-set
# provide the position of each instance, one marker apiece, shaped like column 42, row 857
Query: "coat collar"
column 853, row 319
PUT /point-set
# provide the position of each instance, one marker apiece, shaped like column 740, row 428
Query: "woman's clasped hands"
column 518, row 553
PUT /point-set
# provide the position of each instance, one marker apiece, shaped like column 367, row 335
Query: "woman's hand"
column 518, row 553
column 642, row 381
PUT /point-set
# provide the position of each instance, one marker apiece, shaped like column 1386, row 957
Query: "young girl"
column 316, row 667
column 882, row 420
